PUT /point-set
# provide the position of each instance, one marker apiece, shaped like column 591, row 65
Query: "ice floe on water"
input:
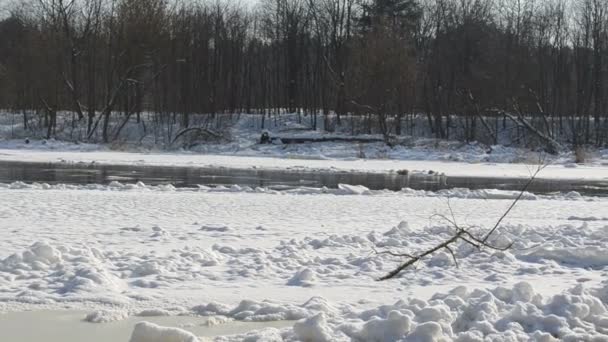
column 150, row 332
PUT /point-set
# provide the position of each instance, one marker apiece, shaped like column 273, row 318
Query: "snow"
column 106, row 316
column 590, row 257
column 307, row 255
column 498, row 314
column 304, row 277
column 149, row 332
column 391, row 328
column 313, row 329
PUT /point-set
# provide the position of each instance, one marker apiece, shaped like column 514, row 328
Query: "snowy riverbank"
column 556, row 171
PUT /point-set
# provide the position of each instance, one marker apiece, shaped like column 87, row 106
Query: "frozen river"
column 93, row 173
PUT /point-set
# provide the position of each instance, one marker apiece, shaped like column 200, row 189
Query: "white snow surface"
column 150, row 332
column 308, row 255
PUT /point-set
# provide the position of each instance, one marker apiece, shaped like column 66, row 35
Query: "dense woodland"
column 469, row 69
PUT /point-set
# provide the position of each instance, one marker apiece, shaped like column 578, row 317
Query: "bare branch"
column 461, row 234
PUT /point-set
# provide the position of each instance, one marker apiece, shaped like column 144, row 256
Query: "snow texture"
column 123, row 250
column 149, row 332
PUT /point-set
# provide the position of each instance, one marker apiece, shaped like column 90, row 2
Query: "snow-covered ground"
column 306, row 254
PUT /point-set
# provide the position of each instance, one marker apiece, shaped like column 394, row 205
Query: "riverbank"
column 187, row 169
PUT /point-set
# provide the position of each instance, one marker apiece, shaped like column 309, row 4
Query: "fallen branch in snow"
column 304, row 140
column 200, row 130
column 461, row 234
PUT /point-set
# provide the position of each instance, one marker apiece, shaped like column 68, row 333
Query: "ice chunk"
column 353, row 189
column 106, row 316
column 149, row 332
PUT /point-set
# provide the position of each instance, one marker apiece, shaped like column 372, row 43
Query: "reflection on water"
column 210, row 176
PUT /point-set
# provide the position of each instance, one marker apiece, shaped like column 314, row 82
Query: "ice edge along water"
column 450, row 168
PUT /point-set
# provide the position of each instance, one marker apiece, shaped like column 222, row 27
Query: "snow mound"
column 304, row 278
column 392, row 328
column 427, row 332
column 149, row 332
column 254, row 311
column 60, row 270
column 314, row 328
column 50, row 273
column 588, row 257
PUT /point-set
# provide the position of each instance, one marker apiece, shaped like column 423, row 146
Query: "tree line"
column 476, row 70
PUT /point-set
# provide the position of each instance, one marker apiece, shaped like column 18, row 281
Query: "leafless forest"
column 472, row 70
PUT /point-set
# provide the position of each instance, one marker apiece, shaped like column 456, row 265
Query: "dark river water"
column 191, row 177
